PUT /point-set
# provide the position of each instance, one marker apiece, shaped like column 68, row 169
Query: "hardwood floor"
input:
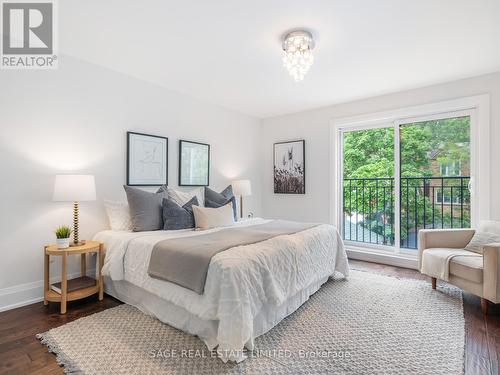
column 21, row 352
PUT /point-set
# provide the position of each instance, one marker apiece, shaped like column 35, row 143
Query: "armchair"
column 479, row 275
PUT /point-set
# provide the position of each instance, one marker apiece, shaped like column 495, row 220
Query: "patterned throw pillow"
column 182, row 197
column 480, row 239
column 118, row 215
column 177, row 217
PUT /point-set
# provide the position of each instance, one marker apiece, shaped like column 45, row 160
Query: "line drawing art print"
column 147, row 160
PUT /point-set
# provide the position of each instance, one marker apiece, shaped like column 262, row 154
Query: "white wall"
column 314, row 127
column 75, row 119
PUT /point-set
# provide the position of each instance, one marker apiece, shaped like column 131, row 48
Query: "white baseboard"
column 379, row 257
column 26, row 294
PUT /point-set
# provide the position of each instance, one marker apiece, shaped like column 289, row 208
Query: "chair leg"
column 434, row 283
column 484, row 306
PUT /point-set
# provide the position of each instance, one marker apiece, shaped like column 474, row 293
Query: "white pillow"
column 480, row 239
column 118, row 215
column 206, row 217
column 182, row 197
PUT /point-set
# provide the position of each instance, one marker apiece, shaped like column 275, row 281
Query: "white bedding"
column 240, row 280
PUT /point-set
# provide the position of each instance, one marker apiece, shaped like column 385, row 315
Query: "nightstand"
column 80, row 287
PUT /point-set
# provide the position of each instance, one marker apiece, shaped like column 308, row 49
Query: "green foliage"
column 443, row 140
column 63, row 231
column 369, row 154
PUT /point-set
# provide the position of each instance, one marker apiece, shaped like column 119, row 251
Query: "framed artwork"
column 147, row 160
column 194, row 163
column 290, row 167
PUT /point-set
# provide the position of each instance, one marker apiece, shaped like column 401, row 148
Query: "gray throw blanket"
column 184, row 261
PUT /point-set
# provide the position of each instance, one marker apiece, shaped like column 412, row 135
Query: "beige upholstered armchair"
column 474, row 272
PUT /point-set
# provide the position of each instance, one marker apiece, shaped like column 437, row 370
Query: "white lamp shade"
column 74, row 188
column 242, row 188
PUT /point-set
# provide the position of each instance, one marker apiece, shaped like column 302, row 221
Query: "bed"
column 248, row 289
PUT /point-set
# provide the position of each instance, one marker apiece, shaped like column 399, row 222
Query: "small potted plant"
column 63, row 233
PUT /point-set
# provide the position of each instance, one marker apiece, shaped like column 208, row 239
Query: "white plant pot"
column 62, row 243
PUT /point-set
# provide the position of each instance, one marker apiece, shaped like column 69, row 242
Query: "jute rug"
column 368, row 324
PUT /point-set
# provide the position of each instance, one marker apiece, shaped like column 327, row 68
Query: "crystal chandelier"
column 298, row 57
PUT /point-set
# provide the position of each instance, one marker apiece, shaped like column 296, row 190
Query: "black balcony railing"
column 425, row 202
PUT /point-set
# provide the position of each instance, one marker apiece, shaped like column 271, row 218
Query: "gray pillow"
column 145, row 209
column 177, row 217
column 221, row 197
column 162, row 189
column 480, row 239
column 215, row 200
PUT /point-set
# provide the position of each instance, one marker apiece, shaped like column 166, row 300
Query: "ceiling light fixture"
column 298, row 57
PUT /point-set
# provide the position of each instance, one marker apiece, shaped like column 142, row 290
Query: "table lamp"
column 243, row 188
column 74, row 188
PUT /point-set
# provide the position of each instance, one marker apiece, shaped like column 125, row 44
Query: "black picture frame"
column 130, row 172
column 183, row 141
column 278, row 185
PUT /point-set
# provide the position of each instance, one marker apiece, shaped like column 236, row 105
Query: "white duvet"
column 240, row 280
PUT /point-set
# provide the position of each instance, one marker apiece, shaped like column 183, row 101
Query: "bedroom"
column 337, row 160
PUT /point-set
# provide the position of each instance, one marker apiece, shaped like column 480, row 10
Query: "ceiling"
column 228, row 52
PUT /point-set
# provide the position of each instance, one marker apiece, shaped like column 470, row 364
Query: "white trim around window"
column 477, row 107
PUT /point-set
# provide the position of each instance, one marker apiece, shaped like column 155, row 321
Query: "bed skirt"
column 206, row 330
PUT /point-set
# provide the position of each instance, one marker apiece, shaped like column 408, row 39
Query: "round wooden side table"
column 80, row 287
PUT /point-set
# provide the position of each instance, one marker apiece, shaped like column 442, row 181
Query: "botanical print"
column 289, row 168
column 147, row 159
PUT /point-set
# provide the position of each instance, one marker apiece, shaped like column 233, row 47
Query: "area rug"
column 367, row 324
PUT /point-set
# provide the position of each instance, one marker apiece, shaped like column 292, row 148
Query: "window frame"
column 477, row 107
column 454, row 165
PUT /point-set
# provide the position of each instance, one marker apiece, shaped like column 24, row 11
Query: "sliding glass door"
column 401, row 177
column 368, row 186
column 435, row 176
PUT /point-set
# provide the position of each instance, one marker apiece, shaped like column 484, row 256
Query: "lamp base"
column 79, row 243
